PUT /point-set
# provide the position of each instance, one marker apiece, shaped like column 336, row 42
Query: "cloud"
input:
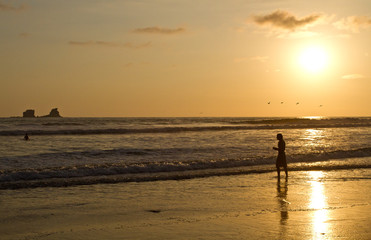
column 296, row 34
column 110, row 44
column 9, row 8
column 353, row 76
column 353, row 23
column 285, row 20
column 240, row 60
column 159, row 30
column 260, row 58
column 131, row 64
column 24, row 35
column 128, row 65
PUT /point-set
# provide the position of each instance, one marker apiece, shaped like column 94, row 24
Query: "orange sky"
column 184, row 58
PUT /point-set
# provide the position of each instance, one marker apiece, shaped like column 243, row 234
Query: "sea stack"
column 53, row 113
column 30, row 113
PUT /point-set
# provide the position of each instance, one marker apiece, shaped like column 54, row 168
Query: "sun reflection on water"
column 313, row 134
column 318, row 204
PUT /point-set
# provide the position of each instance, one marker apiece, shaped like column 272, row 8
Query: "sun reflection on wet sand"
column 318, row 203
column 282, row 200
column 283, row 207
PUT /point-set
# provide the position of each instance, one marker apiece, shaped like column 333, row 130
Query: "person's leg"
column 286, row 170
column 278, row 172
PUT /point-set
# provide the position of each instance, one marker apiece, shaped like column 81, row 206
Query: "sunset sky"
column 169, row 58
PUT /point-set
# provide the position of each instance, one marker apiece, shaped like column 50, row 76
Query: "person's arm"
column 280, row 148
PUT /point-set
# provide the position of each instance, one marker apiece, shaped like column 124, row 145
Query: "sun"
column 313, row 59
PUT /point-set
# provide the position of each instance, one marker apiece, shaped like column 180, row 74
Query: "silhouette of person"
column 281, row 158
column 26, row 137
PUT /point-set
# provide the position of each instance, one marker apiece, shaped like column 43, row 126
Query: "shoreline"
column 310, row 205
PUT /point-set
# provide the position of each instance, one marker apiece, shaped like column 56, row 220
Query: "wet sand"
column 310, row 205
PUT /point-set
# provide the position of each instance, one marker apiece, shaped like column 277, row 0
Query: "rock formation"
column 53, row 113
column 29, row 113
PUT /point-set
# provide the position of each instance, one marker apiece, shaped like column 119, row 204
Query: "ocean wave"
column 174, row 175
column 83, row 131
column 88, row 154
column 145, row 154
column 63, row 124
column 305, row 121
column 150, row 171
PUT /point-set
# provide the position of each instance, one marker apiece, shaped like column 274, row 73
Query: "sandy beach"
column 309, row 205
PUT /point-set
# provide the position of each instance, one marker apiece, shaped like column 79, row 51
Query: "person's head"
column 279, row 136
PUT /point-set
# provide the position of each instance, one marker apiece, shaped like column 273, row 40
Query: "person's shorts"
column 281, row 161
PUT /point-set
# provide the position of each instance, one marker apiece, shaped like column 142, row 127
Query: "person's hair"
column 279, row 136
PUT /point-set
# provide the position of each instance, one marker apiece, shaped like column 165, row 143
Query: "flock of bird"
column 296, row 104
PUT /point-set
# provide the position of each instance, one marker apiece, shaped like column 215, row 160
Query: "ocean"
column 82, row 151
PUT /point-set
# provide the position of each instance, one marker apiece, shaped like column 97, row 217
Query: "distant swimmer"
column 281, row 158
column 26, row 137
column 297, row 103
column 281, row 102
column 269, row 102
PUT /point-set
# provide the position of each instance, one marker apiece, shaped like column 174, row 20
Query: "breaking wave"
column 151, row 171
column 170, row 129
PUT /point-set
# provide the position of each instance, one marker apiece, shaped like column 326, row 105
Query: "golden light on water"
column 313, row 134
column 318, row 204
column 313, row 137
column 313, row 117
